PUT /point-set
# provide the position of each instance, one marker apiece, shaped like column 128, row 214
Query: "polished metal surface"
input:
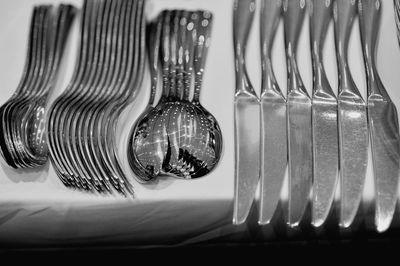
column 247, row 117
column 352, row 118
column 273, row 117
column 82, row 120
column 324, row 117
column 178, row 137
column 298, row 117
column 23, row 141
column 397, row 17
column 382, row 118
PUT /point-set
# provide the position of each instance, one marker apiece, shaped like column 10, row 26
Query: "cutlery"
column 324, row 117
column 352, row 118
column 23, row 116
column 298, row 117
column 273, row 117
column 382, row 120
column 82, row 121
column 178, row 137
column 247, row 116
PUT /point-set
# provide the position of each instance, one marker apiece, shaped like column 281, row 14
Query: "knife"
column 273, row 117
column 298, row 117
column 324, row 117
column 382, row 118
column 246, row 116
column 352, row 117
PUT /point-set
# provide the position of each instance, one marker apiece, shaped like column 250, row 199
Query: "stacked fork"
column 82, row 121
column 23, row 137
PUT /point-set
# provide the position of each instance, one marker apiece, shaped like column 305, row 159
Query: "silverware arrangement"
column 321, row 139
column 82, row 121
column 176, row 136
column 23, row 136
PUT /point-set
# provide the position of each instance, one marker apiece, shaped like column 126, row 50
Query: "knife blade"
column 298, row 117
column 324, row 118
column 273, row 117
column 382, row 118
column 352, row 118
column 246, row 116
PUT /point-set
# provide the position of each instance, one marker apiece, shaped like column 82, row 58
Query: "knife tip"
column 317, row 222
column 345, row 223
column 382, row 224
column 264, row 222
column 292, row 224
column 238, row 221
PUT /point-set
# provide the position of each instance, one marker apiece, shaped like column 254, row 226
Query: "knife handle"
column 344, row 13
column 243, row 15
column 201, row 49
column 320, row 13
column 271, row 11
column 293, row 17
column 370, row 15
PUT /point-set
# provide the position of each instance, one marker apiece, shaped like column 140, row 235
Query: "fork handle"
column 243, row 16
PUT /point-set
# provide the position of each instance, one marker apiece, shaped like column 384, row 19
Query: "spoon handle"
column 174, row 27
column 243, row 15
column 153, row 53
column 320, row 13
column 201, row 50
column 293, row 14
column 189, row 53
column 370, row 16
column 271, row 11
column 165, row 52
column 181, row 52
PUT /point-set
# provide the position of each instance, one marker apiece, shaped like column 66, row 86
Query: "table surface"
column 36, row 209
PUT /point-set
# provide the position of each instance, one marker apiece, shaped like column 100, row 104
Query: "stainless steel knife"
column 273, row 117
column 247, row 117
column 352, row 117
column 298, row 117
column 382, row 119
column 324, row 117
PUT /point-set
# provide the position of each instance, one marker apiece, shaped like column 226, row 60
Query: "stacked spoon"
column 23, row 135
column 83, row 119
column 177, row 137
